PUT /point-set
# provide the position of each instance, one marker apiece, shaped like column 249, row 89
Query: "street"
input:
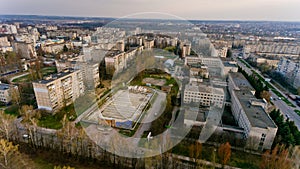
column 286, row 110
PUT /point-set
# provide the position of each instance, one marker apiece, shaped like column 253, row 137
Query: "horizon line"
column 110, row 17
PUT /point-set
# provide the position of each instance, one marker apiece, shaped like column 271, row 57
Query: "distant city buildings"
column 8, row 29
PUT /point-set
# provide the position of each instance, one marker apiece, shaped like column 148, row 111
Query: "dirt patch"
column 156, row 82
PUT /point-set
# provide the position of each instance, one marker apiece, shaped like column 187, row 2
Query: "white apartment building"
column 203, row 94
column 90, row 71
column 6, row 92
column 291, row 70
column 59, row 90
column 249, row 112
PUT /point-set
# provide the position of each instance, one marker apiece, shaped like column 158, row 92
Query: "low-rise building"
column 6, row 92
column 203, row 94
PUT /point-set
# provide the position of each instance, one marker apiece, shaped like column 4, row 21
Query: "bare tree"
column 276, row 159
column 7, row 149
column 195, row 151
column 6, row 125
column 224, row 153
column 15, row 95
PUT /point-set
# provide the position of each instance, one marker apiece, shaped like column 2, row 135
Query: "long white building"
column 203, row 94
column 249, row 112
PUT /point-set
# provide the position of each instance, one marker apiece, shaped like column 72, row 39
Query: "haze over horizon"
column 267, row 10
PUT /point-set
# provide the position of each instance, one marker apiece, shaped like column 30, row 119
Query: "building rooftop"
column 240, row 81
column 113, row 53
column 255, row 113
column 56, row 76
column 204, row 88
column 4, row 86
column 229, row 64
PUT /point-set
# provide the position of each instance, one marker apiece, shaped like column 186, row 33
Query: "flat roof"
column 240, row 80
column 228, row 64
column 255, row 113
column 204, row 88
column 56, row 76
column 113, row 53
column 4, row 86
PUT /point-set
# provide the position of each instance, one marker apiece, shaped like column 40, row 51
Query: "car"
column 279, row 98
column 26, row 136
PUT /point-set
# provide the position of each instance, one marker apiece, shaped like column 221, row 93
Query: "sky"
column 273, row 10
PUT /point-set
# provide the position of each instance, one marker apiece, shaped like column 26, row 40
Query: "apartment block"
column 291, row 70
column 90, row 71
column 59, row 90
column 249, row 112
column 6, row 92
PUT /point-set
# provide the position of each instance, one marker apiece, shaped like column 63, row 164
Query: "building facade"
column 291, row 70
column 6, row 92
column 59, row 90
column 250, row 114
column 203, row 94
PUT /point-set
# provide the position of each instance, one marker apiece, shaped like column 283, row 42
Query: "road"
column 156, row 108
column 286, row 110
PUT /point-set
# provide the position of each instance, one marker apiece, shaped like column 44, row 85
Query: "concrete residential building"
column 249, row 112
column 291, row 70
column 148, row 43
column 90, row 71
column 27, row 50
column 6, row 92
column 203, row 94
column 59, row 90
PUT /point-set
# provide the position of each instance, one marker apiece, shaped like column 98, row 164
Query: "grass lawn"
column 12, row 110
column 54, row 121
column 24, row 78
column 50, row 121
column 45, row 71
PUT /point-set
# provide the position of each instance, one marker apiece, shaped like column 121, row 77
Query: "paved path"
column 15, row 77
